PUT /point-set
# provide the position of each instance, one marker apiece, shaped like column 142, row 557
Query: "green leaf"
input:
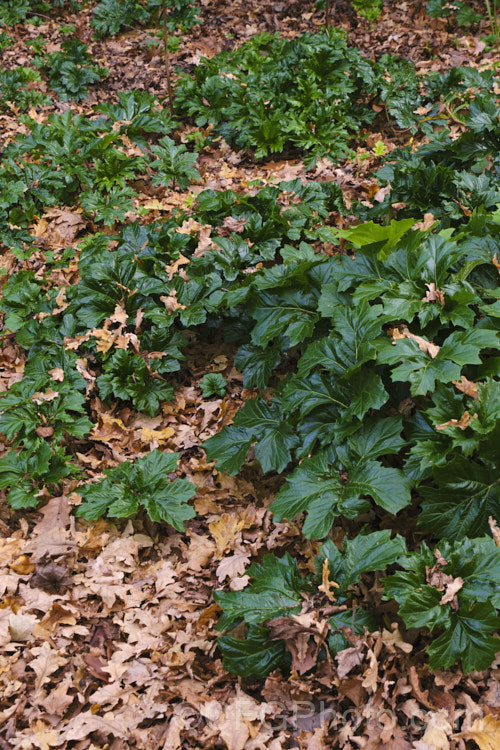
column 290, row 313
column 23, row 495
column 371, row 552
column 254, row 656
column 469, row 617
column 422, row 609
column 274, row 591
column 260, row 422
column 355, row 620
column 229, row 448
column 344, row 351
column 488, row 408
column 213, row 384
column 463, row 347
column 147, row 483
column 171, row 503
column 316, row 488
column 388, row 487
column 174, row 164
column 257, row 363
column 467, row 639
column 330, row 298
column 305, row 394
column 367, row 392
column 421, row 370
column 466, row 495
column 378, row 437
column 369, row 233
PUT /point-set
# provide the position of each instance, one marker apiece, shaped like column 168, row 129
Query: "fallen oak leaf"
column 494, row 530
column 21, row 627
column 233, row 566
column 402, row 332
column 41, row 736
column 451, row 590
column 326, row 585
column 464, row 422
column 302, row 639
column 485, row 732
column 467, row 387
column 233, row 225
column 433, row 294
column 174, row 267
column 427, row 222
column 370, row 676
column 146, row 435
column 119, row 316
column 171, row 302
column 40, row 398
column 57, row 373
column 47, row 661
column 226, row 531
column 58, row 700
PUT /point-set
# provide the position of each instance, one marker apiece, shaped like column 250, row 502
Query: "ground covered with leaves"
column 250, row 379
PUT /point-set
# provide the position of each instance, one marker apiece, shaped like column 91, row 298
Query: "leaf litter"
column 107, row 629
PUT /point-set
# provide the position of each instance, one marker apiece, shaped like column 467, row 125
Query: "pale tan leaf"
column 57, row 373
column 370, row 675
column 40, row 398
column 452, row 588
column 433, row 294
column 226, row 531
column 58, row 700
column 54, row 514
column 47, row 661
column 232, row 566
column 21, row 627
column 437, row 733
column 402, row 332
column 494, row 530
column 120, row 315
column 467, row 387
column 347, row 660
column 485, row 732
column 171, row 303
column 174, row 267
column 83, row 724
column 201, row 550
column 40, row 736
column 427, row 222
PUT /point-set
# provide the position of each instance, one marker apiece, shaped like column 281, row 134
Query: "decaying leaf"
column 467, row 387
column 494, row 530
column 485, row 732
column 327, row 586
column 437, row 734
column 464, row 422
column 402, row 332
column 433, row 294
column 47, row 661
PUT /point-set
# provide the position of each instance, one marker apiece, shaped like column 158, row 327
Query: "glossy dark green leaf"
column 466, row 495
column 253, row 656
column 371, row 552
column 274, row 591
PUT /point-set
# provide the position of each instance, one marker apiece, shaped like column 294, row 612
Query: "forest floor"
column 108, row 629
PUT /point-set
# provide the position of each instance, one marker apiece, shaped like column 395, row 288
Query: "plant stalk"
column 328, row 4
